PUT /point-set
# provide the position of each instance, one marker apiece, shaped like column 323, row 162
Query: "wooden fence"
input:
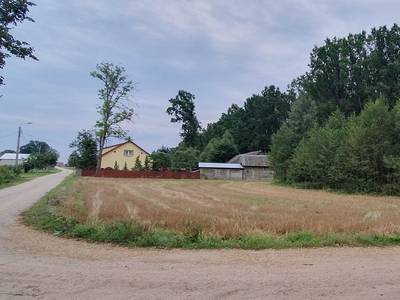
column 139, row 174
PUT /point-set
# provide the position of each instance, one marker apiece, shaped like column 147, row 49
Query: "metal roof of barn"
column 236, row 159
column 11, row 156
column 219, row 166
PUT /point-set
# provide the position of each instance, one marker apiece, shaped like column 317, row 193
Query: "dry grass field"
column 230, row 208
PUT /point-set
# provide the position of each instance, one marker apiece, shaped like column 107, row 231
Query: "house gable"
column 123, row 153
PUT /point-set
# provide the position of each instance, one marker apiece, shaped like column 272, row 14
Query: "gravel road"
column 35, row 265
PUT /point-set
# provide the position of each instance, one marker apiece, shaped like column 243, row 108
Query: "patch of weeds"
column 302, row 239
column 158, row 239
column 80, row 202
column 194, row 231
column 378, row 240
column 257, row 242
column 118, row 233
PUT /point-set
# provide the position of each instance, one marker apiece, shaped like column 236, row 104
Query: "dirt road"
column 34, row 265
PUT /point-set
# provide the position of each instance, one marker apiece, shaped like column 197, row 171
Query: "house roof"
column 12, row 156
column 219, row 166
column 113, row 147
column 236, row 159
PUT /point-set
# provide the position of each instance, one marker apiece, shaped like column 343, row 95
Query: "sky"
column 221, row 51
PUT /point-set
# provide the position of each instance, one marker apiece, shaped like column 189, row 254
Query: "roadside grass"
column 29, row 176
column 212, row 215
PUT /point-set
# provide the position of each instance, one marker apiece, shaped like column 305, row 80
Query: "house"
column 123, row 153
column 9, row 159
column 247, row 166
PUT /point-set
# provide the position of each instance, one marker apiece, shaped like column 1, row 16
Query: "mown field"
column 229, row 213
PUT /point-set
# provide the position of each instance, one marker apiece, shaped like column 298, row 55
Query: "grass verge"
column 29, row 176
column 45, row 215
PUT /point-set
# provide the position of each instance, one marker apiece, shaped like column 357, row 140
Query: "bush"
column 8, row 173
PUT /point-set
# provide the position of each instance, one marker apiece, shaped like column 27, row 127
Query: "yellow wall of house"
column 119, row 154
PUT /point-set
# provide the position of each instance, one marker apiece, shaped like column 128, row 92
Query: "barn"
column 248, row 166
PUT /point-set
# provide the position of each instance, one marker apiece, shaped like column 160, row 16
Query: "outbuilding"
column 8, row 159
column 221, row 171
column 247, row 166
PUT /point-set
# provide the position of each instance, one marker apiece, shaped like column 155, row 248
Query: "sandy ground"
column 35, row 265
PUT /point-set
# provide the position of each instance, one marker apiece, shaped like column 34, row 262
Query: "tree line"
column 335, row 126
column 347, row 78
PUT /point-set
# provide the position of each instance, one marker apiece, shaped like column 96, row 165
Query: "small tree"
column 125, row 168
column 138, row 164
column 41, row 160
column 116, row 166
column 160, row 160
column 147, row 163
column 117, row 105
column 85, row 154
column 185, row 159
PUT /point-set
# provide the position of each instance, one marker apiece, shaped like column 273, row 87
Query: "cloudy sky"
column 221, row 51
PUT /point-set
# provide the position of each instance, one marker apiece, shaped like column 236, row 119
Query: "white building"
column 9, row 158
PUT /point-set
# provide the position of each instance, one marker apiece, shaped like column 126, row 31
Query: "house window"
column 128, row 153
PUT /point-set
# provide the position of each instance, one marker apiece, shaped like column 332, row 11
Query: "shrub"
column 8, row 173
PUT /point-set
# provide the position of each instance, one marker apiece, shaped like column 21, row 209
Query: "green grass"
column 29, row 176
column 44, row 215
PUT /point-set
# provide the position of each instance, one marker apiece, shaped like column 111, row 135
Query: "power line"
column 46, row 140
column 1, row 137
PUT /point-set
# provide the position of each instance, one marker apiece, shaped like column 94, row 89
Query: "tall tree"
column 253, row 125
column 264, row 115
column 302, row 117
column 13, row 12
column 182, row 110
column 85, row 154
column 35, row 147
column 220, row 150
column 117, row 104
column 345, row 73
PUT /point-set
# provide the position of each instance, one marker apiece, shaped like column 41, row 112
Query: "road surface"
column 35, row 265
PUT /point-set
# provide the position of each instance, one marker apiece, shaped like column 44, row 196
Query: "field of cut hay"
column 229, row 208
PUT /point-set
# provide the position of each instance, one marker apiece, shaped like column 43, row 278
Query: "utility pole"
column 19, row 137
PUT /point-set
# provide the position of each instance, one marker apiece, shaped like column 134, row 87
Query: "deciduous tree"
column 35, row 147
column 220, row 150
column 117, row 104
column 185, row 159
column 13, row 12
column 85, row 154
column 182, row 110
column 160, row 161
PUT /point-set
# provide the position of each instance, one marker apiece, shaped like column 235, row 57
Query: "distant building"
column 247, row 166
column 8, row 159
column 59, row 164
column 123, row 153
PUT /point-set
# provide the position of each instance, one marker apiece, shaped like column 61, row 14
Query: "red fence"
column 140, row 174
